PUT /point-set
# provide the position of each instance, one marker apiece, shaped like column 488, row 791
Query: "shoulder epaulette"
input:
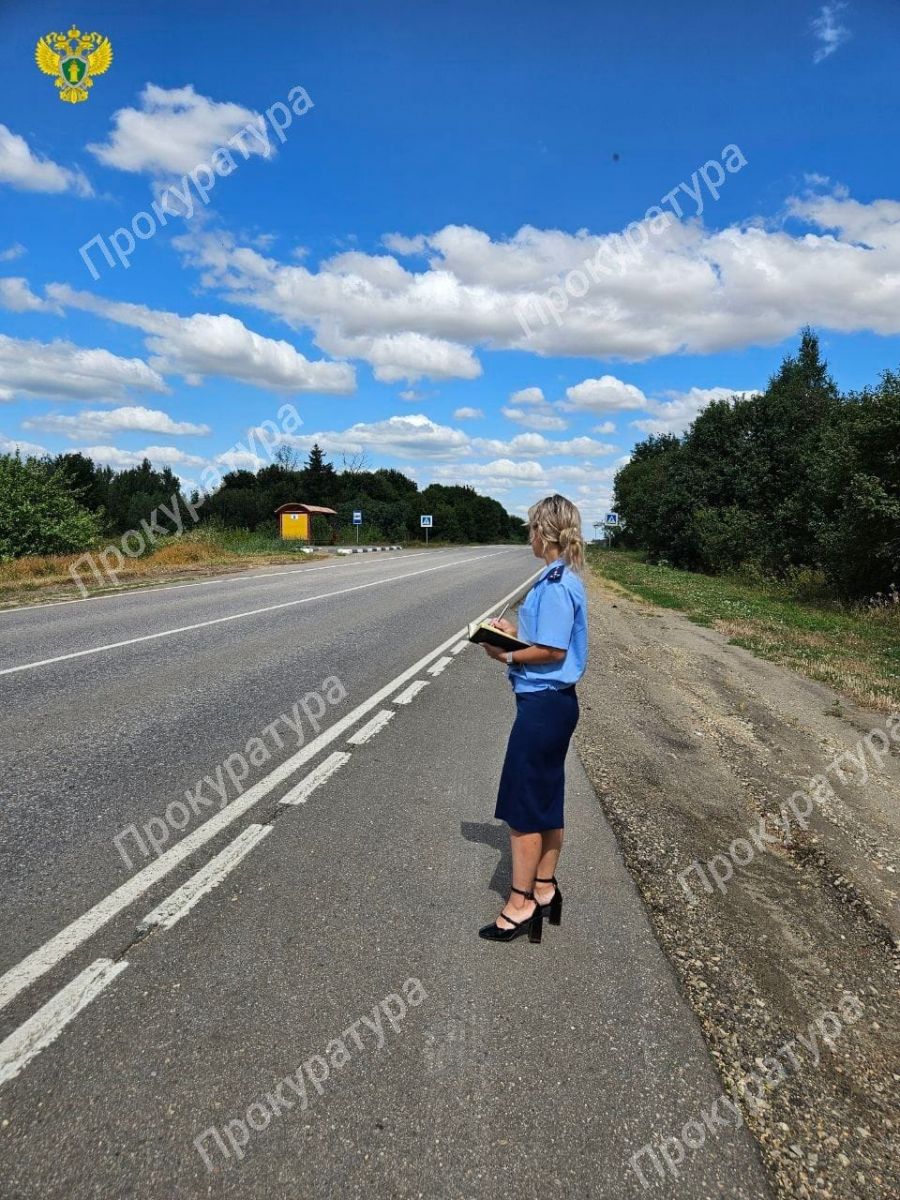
column 556, row 574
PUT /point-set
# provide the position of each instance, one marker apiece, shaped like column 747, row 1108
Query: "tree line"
column 796, row 477
column 67, row 502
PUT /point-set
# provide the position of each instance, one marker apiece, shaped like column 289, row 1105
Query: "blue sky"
column 454, row 170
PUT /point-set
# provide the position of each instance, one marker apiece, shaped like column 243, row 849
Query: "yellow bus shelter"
column 294, row 520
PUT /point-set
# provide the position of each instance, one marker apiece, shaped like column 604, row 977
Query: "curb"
column 366, row 549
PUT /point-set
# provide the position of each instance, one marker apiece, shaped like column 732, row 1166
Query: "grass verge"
column 853, row 650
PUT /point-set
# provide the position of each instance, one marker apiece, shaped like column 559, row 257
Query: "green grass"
column 794, row 623
column 244, row 542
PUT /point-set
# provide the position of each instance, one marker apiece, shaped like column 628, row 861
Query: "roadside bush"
column 727, row 538
column 39, row 514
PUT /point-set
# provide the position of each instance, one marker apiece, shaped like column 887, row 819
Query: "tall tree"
column 319, row 479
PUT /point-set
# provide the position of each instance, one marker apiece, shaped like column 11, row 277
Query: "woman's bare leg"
column 526, row 851
column 551, row 845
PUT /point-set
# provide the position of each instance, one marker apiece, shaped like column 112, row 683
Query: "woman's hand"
column 494, row 652
column 504, row 626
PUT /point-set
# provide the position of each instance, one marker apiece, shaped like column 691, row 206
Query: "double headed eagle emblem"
column 74, row 58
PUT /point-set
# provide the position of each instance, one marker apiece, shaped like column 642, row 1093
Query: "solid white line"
column 368, row 731
column 459, row 647
column 411, row 692
column 114, row 593
column 239, row 577
column 183, row 899
column 36, row 964
column 440, row 665
column 50, row 1020
column 301, row 791
column 253, row 612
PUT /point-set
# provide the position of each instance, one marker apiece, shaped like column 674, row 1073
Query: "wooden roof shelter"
column 294, row 520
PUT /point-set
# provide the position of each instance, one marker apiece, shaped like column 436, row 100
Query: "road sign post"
column 426, row 521
column 357, row 521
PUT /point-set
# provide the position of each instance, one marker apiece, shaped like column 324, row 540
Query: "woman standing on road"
column 543, row 676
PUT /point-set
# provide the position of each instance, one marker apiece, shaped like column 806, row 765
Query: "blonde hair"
column 557, row 522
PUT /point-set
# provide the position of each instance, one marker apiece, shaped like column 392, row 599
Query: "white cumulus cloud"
column 530, row 408
column 606, row 394
column 61, row 369
column 536, row 443
column 26, row 449
column 160, row 456
column 21, row 168
column 97, row 422
column 17, row 296
column 679, row 411
column 404, row 356
column 403, row 436
column 175, row 130
column 692, row 289
column 218, row 345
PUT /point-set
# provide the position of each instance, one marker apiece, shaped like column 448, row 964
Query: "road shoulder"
column 694, row 746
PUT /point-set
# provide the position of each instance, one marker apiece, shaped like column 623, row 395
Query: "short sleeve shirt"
column 554, row 613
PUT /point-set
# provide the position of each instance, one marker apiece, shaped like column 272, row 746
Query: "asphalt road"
column 143, row 1004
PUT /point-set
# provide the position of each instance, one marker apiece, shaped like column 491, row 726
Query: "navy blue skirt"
column 533, row 781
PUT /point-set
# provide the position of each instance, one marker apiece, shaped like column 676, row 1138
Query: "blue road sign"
column 357, row 518
column 611, row 519
column 426, row 522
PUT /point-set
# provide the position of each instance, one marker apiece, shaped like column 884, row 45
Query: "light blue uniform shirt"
column 554, row 613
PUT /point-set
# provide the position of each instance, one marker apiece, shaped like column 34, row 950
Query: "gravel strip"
column 692, row 744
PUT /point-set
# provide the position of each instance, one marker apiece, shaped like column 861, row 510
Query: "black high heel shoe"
column 552, row 910
column 532, row 925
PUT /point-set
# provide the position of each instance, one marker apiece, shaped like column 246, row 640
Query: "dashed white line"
column 459, row 647
column 50, row 1020
column 411, row 692
column 369, row 730
column 41, row 960
column 441, row 665
column 253, row 612
column 183, row 899
column 301, row 791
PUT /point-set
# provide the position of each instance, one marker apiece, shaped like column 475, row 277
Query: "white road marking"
column 135, row 590
column 440, row 665
column 368, row 731
column 50, row 1020
column 302, row 791
column 411, row 692
column 253, row 612
column 183, row 899
column 41, row 960
column 459, row 647
column 114, row 593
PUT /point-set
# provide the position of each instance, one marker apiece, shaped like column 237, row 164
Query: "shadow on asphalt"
column 495, row 836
